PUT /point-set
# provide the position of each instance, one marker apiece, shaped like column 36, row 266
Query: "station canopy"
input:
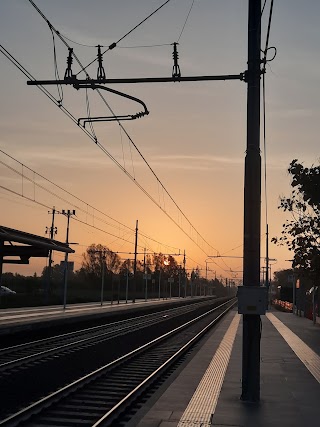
column 17, row 247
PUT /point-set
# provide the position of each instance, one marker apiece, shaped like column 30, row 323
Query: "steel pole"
column 184, row 274
column 252, row 209
column 102, row 277
column 135, row 265
column 50, row 256
column 127, row 286
column 66, row 266
column 145, row 275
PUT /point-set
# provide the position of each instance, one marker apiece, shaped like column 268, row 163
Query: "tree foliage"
column 301, row 233
column 97, row 255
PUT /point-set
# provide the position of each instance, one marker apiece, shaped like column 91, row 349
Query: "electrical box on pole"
column 252, row 299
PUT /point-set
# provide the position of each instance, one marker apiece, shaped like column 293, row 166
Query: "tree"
column 126, row 266
column 301, row 234
column 95, row 256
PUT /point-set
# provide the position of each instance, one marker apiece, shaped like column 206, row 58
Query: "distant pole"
column 103, row 259
column 252, row 209
column 267, row 263
column 127, row 284
column 145, row 275
column 184, row 274
column 135, row 265
column 53, row 231
column 67, row 213
column 179, row 281
column 160, row 283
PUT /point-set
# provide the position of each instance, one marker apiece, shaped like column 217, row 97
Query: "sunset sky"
column 194, row 138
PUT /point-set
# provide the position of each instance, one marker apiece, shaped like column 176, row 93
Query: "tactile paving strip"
column 204, row 401
column 307, row 356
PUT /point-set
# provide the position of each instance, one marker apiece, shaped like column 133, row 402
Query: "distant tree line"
column 157, row 271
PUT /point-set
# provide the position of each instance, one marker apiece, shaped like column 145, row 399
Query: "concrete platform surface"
column 289, row 373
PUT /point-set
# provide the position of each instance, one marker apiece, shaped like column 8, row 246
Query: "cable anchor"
column 68, row 74
column 176, row 73
column 101, row 75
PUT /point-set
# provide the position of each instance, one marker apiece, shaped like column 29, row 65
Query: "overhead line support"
column 74, row 81
column 252, row 209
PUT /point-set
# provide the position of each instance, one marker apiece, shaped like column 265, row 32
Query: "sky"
column 194, row 138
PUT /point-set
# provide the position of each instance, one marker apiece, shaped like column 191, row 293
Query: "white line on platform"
column 307, row 356
column 204, row 401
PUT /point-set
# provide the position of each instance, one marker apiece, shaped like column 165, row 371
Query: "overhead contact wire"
column 185, row 22
column 113, row 45
column 109, row 154
column 131, row 230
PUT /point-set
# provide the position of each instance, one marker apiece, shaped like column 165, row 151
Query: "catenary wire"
column 56, row 70
column 144, row 46
column 132, row 177
column 113, row 45
column 53, row 99
column 264, row 106
column 263, row 7
column 64, row 190
column 79, row 44
column 73, row 218
column 120, row 166
column 186, row 20
column 163, row 187
column 131, row 230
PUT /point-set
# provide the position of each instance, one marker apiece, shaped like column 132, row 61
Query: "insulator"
column 68, row 74
column 176, row 73
column 101, row 75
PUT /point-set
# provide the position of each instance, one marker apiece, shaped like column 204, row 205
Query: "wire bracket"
column 101, row 75
column 176, row 73
column 83, row 120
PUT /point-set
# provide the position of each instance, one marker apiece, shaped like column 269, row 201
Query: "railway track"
column 102, row 397
column 42, row 350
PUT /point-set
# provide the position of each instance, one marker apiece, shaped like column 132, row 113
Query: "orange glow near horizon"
column 194, row 138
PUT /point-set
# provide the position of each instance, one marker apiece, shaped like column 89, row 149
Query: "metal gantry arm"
column 130, row 80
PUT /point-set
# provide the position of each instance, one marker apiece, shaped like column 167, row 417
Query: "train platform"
column 206, row 390
column 13, row 320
